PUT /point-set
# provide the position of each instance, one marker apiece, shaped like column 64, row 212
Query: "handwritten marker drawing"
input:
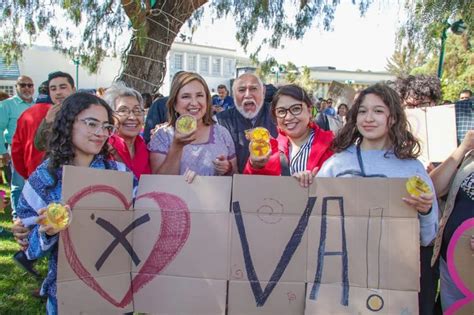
column 174, row 231
column 322, row 253
column 260, row 295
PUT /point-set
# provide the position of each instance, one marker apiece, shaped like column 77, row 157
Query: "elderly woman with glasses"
column 301, row 146
column 127, row 144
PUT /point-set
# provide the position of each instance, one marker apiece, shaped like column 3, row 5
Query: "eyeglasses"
column 94, row 127
column 23, row 85
column 295, row 110
column 125, row 112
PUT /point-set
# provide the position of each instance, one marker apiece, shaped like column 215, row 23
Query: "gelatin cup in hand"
column 186, row 124
column 58, row 216
column 258, row 134
column 259, row 148
column 416, row 186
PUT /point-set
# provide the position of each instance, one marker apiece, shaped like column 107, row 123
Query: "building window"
column 9, row 89
column 216, row 66
column 204, row 65
column 178, row 62
column 228, row 67
column 192, row 63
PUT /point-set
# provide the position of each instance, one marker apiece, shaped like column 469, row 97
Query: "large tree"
column 154, row 25
column 404, row 60
column 458, row 71
column 426, row 19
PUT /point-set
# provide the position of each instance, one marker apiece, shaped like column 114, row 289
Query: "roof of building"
column 10, row 72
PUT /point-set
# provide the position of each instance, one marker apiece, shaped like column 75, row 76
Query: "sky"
column 356, row 42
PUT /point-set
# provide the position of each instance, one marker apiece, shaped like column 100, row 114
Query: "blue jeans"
column 16, row 187
column 450, row 293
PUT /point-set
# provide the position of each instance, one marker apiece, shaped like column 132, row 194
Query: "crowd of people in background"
column 119, row 128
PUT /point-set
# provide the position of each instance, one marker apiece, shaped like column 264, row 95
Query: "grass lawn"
column 16, row 285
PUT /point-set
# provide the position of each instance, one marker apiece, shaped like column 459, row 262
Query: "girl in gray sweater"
column 376, row 142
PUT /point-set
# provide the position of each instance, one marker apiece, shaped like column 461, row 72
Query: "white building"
column 357, row 79
column 216, row 65
column 38, row 61
column 325, row 75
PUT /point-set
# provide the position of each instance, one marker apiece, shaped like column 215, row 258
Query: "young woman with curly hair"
column 79, row 136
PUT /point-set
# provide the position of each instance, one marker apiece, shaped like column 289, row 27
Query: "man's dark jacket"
column 157, row 114
column 237, row 124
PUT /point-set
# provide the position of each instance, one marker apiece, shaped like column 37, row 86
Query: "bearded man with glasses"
column 250, row 111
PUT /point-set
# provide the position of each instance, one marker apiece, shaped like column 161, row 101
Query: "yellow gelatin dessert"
column 416, row 186
column 186, row 124
column 258, row 134
column 58, row 216
column 259, row 148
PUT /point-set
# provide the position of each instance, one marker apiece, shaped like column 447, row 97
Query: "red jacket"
column 140, row 164
column 320, row 152
column 25, row 156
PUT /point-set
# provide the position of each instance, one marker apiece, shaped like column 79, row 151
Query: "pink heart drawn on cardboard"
column 174, row 232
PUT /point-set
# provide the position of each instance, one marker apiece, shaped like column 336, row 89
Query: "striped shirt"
column 299, row 160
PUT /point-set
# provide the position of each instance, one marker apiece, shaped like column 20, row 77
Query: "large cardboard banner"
column 341, row 93
column 247, row 245
column 435, row 127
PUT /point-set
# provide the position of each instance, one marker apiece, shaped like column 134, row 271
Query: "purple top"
column 197, row 157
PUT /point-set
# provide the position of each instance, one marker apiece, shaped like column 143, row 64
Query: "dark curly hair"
column 418, row 86
column 405, row 145
column 60, row 148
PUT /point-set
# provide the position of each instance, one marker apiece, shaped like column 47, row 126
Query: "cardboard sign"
column 435, row 127
column 341, row 93
column 342, row 246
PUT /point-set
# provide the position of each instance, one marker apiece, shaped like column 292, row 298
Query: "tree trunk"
column 144, row 67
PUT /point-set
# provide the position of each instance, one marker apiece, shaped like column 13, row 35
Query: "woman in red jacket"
column 301, row 146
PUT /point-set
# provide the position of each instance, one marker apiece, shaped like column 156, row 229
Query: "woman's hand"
column 51, row 113
column 222, row 165
column 157, row 126
column 259, row 162
column 422, row 204
column 180, row 140
column 47, row 228
column 467, row 143
column 189, row 176
column 306, row 177
column 20, row 232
